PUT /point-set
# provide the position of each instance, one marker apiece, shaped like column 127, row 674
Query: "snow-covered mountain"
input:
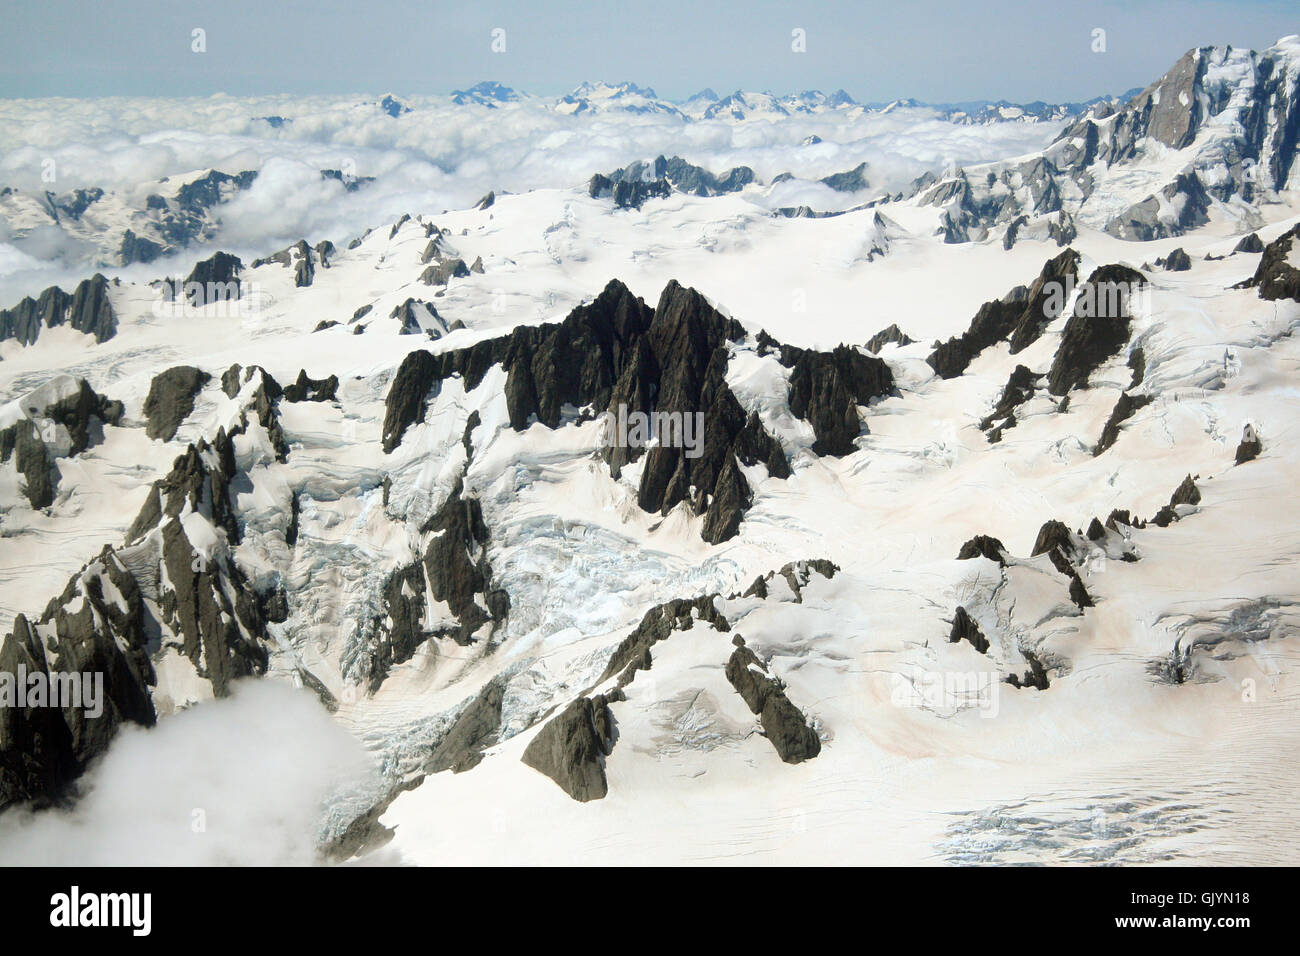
column 1217, row 133
column 697, row 509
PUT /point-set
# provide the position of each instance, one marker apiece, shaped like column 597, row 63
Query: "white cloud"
column 255, row 768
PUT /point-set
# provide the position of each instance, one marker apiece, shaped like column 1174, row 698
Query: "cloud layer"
column 437, row 156
column 238, row 781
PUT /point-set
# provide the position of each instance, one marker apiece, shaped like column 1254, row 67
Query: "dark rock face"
column 302, row 259
column 201, row 476
column 1035, row 677
column 1187, row 493
column 964, row 628
column 1045, row 300
column 1066, row 551
column 83, row 413
column 44, row 748
column 1125, row 408
column 137, row 249
column 1141, row 221
column 642, row 181
column 305, row 389
column 850, row 181
column 628, row 194
column 90, row 311
column 885, row 336
column 679, row 614
column 1176, row 261
column 87, row 310
column 222, row 636
column 457, row 567
column 444, row 271
column 1056, row 539
column 572, row 746
column 474, row 731
column 1019, row 317
column 1250, row 243
column 1250, row 446
column 405, row 403
column 34, row 463
column 826, row 389
column 783, row 723
column 217, row 277
column 454, row 569
column 171, row 399
column 1097, row 329
column 1018, row 390
column 1137, row 363
column 75, row 412
column 983, row 546
column 1275, row 277
column 409, row 313
column 616, row 353
column 398, row 630
column 797, row 574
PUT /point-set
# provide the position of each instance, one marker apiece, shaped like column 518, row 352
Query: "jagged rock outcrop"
column 983, row 546
column 171, row 399
column 64, row 417
column 212, row 610
column 302, row 259
column 457, row 568
column 783, row 723
column 1275, row 277
column 87, row 310
column 474, row 730
column 1098, row 327
column 395, row 632
column 1018, row 390
column 615, row 354
column 1178, row 208
column 571, row 747
column 1250, row 243
column 419, row 318
column 1018, row 317
column 964, row 628
column 1249, row 447
column 826, row 389
column 443, row 271
column 215, row 279
column 885, row 336
column 307, row 389
column 642, row 181
column 796, row 574
column 850, row 181
column 1176, row 261
column 1126, row 406
column 90, row 647
column 1035, row 676
column 628, row 194
column 680, row 614
column 1187, row 493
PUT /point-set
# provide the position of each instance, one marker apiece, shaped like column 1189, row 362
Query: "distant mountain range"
column 600, row 97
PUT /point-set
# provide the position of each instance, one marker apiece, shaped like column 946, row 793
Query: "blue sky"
column 934, row 50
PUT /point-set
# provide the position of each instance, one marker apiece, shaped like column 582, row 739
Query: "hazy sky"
column 934, row 50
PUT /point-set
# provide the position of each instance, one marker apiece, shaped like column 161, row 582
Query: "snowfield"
column 1164, row 731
